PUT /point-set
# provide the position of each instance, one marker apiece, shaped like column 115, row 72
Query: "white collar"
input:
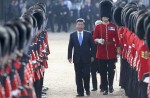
column 80, row 32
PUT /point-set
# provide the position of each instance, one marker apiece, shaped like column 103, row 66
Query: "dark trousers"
column 37, row 85
column 82, row 72
column 94, row 69
column 122, row 72
column 107, row 66
column 142, row 90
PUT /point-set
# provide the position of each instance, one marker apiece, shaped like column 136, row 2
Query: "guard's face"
column 105, row 19
column 80, row 26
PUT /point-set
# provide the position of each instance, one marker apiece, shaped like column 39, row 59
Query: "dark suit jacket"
column 83, row 52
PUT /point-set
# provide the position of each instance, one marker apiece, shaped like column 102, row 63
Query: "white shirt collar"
column 81, row 33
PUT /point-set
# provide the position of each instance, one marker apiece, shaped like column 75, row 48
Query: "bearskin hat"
column 148, row 36
column 139, row 30
column 146, row 22
column 14, row 28
column 12, row 37
column 131, row 21
column 127, row 14
column 117, row 16
column 22, row 33
column 4, row 42
column 105, row 7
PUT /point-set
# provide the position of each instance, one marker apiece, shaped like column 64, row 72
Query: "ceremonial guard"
column 106, row 35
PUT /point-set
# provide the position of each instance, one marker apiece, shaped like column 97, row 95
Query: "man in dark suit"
column 82, row 43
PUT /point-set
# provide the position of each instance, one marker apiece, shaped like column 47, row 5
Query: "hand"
column 92, row 59
column 70, row 60
column 100, row 41
column 96, row 41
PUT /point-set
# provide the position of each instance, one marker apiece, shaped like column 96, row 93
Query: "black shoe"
column 88, row 93
column 94, row 89
column 102, row 90
column 105, row 93
column 111, row 89
column 80, row 95
column 45, row 88
column 43, row 92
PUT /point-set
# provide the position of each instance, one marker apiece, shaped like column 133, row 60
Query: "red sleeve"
column 96, row 32
column 116, row 37
column 120, row 35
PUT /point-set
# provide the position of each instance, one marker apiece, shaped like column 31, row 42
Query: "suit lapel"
column 76, row 37
column 84, row 35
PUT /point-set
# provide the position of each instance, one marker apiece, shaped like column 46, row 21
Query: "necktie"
column 80, row 39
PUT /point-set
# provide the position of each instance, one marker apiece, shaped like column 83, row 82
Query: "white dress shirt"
column 81, row 34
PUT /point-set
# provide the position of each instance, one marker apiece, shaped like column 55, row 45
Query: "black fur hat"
column 22, row 33
column 29, row 32
column 146, row 22
column 14, row 28
column 39, row 16
column 117, row 16
column 42, row 5
column 128, row 14
column 134, row 20
column 131, row 20
column 148, row 36
column 105, row 7
column 124, row 10
column 12, row 37
column 133, row 3
column 27, row 18
column 4, row 42
column 139, row 30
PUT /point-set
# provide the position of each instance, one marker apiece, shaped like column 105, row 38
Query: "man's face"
column 105, row 19
column 80, row 26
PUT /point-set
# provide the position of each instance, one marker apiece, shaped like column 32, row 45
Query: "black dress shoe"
column 105, row 93
column 111, row 89
column 94, row 89
column 43, row 92
column 88, row 93
column 80, row 95
column 102, row 90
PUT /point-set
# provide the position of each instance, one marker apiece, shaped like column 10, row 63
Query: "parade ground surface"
column 60, row 76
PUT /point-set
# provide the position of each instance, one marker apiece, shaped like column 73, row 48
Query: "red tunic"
column 124, row 44
column 136, row 58
column 2, row 93
column 143, row 67
column 120, row 36
column 128, row 37
column 133, row 51
column 110, row 34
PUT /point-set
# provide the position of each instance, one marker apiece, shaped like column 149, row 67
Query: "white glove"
column 100, row 41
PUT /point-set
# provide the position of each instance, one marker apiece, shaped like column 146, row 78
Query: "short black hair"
column 80, row 20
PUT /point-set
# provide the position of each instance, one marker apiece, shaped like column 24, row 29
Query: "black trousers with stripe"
column 107, row 72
